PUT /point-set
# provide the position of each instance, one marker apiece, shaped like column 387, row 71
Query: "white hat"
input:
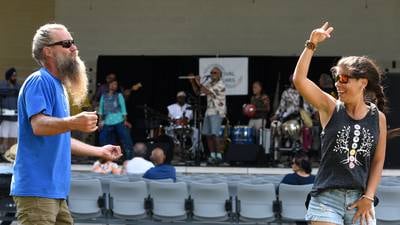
column 181, row 93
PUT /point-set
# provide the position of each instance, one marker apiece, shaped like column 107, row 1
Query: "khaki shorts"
column 42, row 211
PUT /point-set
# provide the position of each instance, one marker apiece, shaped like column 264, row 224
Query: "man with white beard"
column 41, row 179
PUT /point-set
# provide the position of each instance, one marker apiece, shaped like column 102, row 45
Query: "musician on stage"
column 216, row 110
column 262, row 103
column 180, row 112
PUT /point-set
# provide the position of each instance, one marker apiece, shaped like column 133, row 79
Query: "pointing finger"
column 325, row 26
column 329, row 31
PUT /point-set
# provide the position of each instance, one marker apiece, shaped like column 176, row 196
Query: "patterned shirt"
column 216, row 101
column 347, row 149
column 290, row 104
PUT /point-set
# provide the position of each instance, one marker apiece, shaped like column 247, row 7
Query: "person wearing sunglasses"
column 215, row 113
column 42, row 168
column 353, row 137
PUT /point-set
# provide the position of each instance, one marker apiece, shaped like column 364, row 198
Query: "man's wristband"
column 310, row 45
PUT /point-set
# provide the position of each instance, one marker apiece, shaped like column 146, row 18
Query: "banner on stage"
column 234, row 72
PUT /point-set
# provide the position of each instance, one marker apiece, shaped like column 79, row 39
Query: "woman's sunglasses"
column 342, row 78
column 64, row 44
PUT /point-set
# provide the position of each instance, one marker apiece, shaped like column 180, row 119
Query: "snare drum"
column 243, row 135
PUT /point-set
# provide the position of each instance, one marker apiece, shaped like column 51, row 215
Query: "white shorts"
column 9, row 129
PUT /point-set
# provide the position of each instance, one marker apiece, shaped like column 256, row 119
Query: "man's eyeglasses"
column 64, row 44
column 342, row 78
column 214, row 72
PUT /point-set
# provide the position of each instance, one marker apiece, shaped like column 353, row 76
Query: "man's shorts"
column 42, row 211
column 212, row 125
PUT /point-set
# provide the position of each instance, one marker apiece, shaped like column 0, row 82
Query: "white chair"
column 255, row 202
column 127, row 199
column 85, row 199
column 211, row 202
column 292, row 198
column 168, row 200
column 388, row 210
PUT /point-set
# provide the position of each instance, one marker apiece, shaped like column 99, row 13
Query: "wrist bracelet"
column 310, row 45
column 367, row 197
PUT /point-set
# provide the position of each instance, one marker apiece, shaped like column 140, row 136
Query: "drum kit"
column 186, row 135
column 180, row 130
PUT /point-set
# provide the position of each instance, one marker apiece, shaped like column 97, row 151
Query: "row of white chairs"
column 168, row 201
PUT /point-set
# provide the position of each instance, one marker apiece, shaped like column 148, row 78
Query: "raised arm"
column 199, row 88
column 308, row 89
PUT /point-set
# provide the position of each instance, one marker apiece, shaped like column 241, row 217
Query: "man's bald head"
column 157, row 156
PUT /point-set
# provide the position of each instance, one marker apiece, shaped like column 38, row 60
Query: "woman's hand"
column 127, row 124
column 364, row 211
column 320, row 34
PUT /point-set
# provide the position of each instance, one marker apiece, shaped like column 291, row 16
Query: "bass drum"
column 243, row 135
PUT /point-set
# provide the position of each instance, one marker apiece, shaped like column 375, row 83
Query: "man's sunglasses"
column 64, row 44
column 342, row 78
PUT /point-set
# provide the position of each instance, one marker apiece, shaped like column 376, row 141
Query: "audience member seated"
column 161, row 169
column 138, row 165
column 106, row 167
column 301, row 166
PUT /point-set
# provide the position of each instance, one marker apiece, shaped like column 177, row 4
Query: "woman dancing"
column 353, row 137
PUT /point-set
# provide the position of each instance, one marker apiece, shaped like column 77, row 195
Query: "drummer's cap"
column 181, row 94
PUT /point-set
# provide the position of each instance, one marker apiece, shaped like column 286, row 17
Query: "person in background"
column 301, row 167
column 138, row 165
column 161, row 169
column 113, row 120
column 180, row 112
column 326, row 84
column 215, row 113
column 106, row 167
column 9, row 89
column 75, row 110
column 290, row 104
column 103, row 88
column 262, row 103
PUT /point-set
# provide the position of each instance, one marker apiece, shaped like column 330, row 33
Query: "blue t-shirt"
column 163, row 171
column 296, row 179
column 43, row 164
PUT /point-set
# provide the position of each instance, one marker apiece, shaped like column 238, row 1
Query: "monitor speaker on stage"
column 242, row 153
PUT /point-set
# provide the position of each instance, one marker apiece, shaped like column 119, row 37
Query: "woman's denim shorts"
column 331, row 206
